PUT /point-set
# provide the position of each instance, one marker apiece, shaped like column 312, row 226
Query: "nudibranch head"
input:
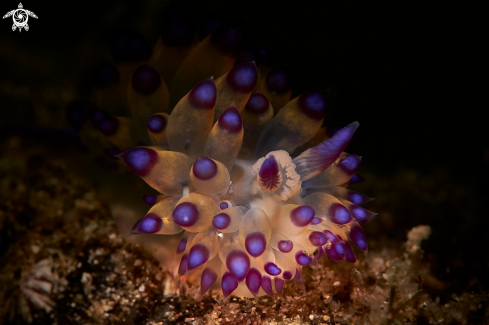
column 252, row 212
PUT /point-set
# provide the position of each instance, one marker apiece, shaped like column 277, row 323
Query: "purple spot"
column 242, row 78
column 360, row 214
column 278, row 80
column 253, row 281
column 221, row 221
column 272, row 268
column 332, row 253
column 230, row 120
column 145, row 80
column 228, row 39
column 255, row 244
column 204, row 168
column 266, row 284
column 108, row 126
column 223, row 205
column 198, row 255
column 320, row 253
column 270, row 174
column 257, row 104
column 279, row 286
column 340, row 214
column 330, row 236
column 185, row 214
column 314, row 104
column 285, row 246
column 357, row 198
column 150, row 224
column 349, row 255
column 178, row 31
column 358, row 238
column 316, row 221
column 140, row 160
column 238, row 263
column 357, row 179
column 340, row 249
column 203, row 95
column 350, row 164
column 149, row 199
column 182, row 268
column 302, row 259
column 302, row 215
column 182, row 245
column 229, row 283
column 317, row 238
column 207, row 280
column 156, row 123
column 287, row 275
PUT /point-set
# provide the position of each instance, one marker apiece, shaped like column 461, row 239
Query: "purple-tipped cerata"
column 242, row 78
column 108, row 126
column 270, row 174
column 203, row 95
column 182, row 245
column 302, row 215
column 156, row 123
column 207, row 280
column 317, row 238
column 302, row 258
column 358, row 238
column 253, row 281
column 140, row 160
column 350, row 164
column 223, row 205
column 182, row 268
column 238, row 263
column 285, row 246
column 360, row 214
column 145, row 80
column 229, row 283
column 257, row 104
column 198, row 255
column 316, row 221
column 272, row 268
column 266, row 284
column 185, row 214
column 316, row 159
column 150, row 224
column 287, row 275
column 230, row 120
column 278, row 80
column 221, row 221
column 339, row 214
column 279, row 286
column 149, row 199
column 314, row 104
column 255, row 244
column 357, row 198
column 204, row 168
column 349, row 254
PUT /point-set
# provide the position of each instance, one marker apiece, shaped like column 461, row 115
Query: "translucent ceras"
column 251, row 213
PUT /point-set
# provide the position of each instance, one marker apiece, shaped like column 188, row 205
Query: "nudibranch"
column 225, row 134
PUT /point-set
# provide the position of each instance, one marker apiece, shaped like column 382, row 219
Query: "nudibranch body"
column 249, row 224
column 252, row 212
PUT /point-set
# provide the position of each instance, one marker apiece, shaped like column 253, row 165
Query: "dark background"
column 411, row 74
